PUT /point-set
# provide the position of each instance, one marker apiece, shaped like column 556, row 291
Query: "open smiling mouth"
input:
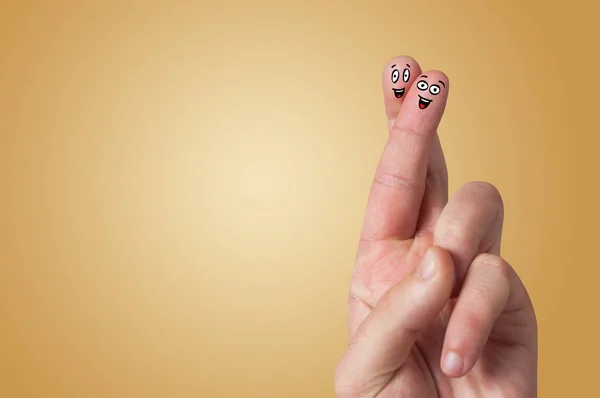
column 398, row 92
column 423, row 102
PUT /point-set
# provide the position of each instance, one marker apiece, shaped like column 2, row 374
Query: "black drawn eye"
column 434, row 89
column 422, row 85
column 395, row 75
column 406, row 75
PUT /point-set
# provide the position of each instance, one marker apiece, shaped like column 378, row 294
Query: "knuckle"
column 456, row 232
column 407, row 131
column 481, row 191
column 493, row 276
column 347, row 386
column 340, row 384
column 396, row 181
column 482, row 290
column 473, row 320
column 492, row 263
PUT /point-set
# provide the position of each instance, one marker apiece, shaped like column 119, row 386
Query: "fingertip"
column 425, row 102
column 397, row 77
column 437, row 76
column 441, row 253
column 443, row 259
column 437, row 267
column 453, row 364
column 403, row 60
column 482, row 299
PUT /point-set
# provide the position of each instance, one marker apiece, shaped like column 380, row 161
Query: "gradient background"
column 182, row 184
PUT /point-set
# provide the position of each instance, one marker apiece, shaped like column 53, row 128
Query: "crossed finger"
column 414, row 103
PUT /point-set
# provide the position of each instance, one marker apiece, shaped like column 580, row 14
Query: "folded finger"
column 384, row 340
column 482, row 299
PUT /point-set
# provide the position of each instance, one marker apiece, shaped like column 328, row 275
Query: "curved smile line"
column 424, row 102
column 398, row 92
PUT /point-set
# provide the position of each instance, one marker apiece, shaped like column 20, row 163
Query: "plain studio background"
column 182, row 184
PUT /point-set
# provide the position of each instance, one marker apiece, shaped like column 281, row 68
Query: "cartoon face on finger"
column 428, row 90
column 398, row 78
column 400, row 75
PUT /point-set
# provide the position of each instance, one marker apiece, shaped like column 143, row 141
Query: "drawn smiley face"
column 434, row 89
column 399, row 92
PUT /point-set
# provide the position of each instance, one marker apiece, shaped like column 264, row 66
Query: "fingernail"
column 453, row 364
column 427, row 267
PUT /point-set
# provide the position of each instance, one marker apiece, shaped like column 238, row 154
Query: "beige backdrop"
column 182, row 184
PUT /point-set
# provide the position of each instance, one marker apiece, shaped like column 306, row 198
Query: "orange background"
column 182, row 184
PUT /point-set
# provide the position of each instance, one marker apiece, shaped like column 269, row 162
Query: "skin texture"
column 433, row 309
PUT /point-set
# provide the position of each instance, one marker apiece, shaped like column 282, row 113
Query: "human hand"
column 434, row 311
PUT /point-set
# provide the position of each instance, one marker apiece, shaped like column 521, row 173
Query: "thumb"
column 385, row 338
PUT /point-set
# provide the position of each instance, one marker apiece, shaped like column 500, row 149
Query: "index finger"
column 398, row 76
column 400, row 180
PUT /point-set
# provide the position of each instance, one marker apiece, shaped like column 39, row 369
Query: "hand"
column 434, row 311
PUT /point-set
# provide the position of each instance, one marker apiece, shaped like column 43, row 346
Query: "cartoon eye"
column 434, row 89
column 422, row 85
column 406, row 75
column 395, row 75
